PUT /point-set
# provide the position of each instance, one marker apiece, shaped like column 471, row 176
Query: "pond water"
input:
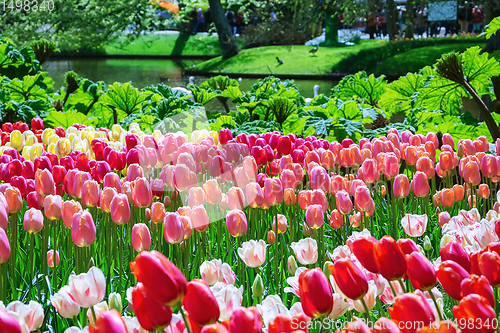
column 145, row 72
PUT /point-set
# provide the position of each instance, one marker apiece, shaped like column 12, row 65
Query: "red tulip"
column 401, row 187
column 200, row 303
column 8, row 324
column 411, row 311
column 390, row 259
column 363, row 249
column 455, row 252
column 284, row 145
column 421, row 272
column 160, row 277
column 245, row 320
column 350, row 279
column 152, row 315
column 407, row 245
column 475, row 309
column 489, row 265
column 450, row 275
column 480, row 285
column 225, row 135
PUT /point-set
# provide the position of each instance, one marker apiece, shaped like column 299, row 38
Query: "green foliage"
column 202, row 96
column 16, row 63
column 492, row 27
column 64, row 119
column 30, row 87
column 124, row 98
column 281, row 107
column 362, row 87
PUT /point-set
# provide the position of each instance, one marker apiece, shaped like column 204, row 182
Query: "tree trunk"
column 409, row 19
column 391, row 19
column 493, row 44
column 227, row 41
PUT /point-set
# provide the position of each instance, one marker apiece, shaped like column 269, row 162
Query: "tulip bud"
column 115, row 302
column 271, row 237
column 51, row 259
column 427, row 243
column 258, row 287
column 292, row 265
column 4, row 247
column 326, row 268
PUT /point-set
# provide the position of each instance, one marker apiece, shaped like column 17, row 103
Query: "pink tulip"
column 79, row 179
column 199, row 218
column 134, row 171
column 68, row 209
column 141, row 237
column 401, row 187
column 142, row 195
column 212, row 191
column 83, row 230
column 157, row 212
column 64, row 303
column 236, row 223
column 107, row 195
column 420, row 185
column 236, row 198
column 14, row 199
column 282, row 223
column 8, row 323
column 52, row 206
column 111, row 179
column 120, row 209
column 344, row 203
column 314, row 216
column 362, row 199
column 320, row 179
column 88, row 289
column 4, row 246
column 196, row 197
column 44, row 182
column 90, row 193
column 173, row 228
column 50, row 258
column 273, row 191
column 254, row 195
column 288, row 179
column 391, row 167
column 33, row 221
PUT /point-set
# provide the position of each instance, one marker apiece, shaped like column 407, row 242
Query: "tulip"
column 316, row 294
column 245, row 320
column 90, row 193
column 173, row 228
column 33, row 221
column 8, row 323
column 420, row 185
column 407, row 246
column 64, row 303
column 253, row 253
column 363, row 200
column 152, row 315
column 77, row 185
column 83, row 230
column 200, row 303
column 157, row 212
column 196, row 197
column 489, row 265
column 111, row 179
column 141, row 237
column 384, row 325
column 390, row 260
column 414, row 225
column 425, row 165
column 349, row 278
column 489, row 166
column 273, row 191
column 455, row 252
column 199, row 218
column 225, row 135
column 120, row 209
column 271, row 237
column 450, row 275
column 401, row 186
column 421, row 272
column 52, row 206
column 443, row 218
column 14, row 199
column 4, row 247
column 88, row 289
column 344, row 203
column 107, row 195
column 288, row 179
column 68, row 210
column 483, row 191
column 444, row 326
column 44, row 182
column 236, row 198
column 319, row 179
column 475, row 309
column 314, row 216
column 110, row 321
column 160, row 277
column 411, row 311
column 363, row 249
column 282, row 223
column 51, row 260
column 214, row 328
column 306, row 251
column 30, row 316
column 391, row 167
column 142, row 196
column 471, row 173
column 212, row 191
column 254, row 195
column 289, row 197
column 236, row 223
column 480, row 285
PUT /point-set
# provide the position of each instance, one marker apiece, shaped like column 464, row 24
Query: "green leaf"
column 30, row 87
column 124, row 98
column 231, row 92
column 64, row 119
column 360, row 86
column 202, row 96
column 295, row 124
column 281, row 107
column 257, row 127
column 223, row 122
column 492, row 27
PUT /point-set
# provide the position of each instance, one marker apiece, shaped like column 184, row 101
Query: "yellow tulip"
column 36, row 151
column 16, row 140
column 116, row 130
column 46, row 134
column 71, row 130
column 62, row 147
column 52, row 139
column 26, row 153
column 215, row 135
column 30, row 140
column 51, row 148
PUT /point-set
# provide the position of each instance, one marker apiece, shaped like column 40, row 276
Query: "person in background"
column 371, row 22
column 231, row 20
column 193, row 17
column 477, row 20
column 240, row 22
column 470, row 9
column 208, row 19
column 201, row 21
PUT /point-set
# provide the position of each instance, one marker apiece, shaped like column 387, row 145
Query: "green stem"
column 186, row 322
column 367, row 312
column 436, row 304
column 93, row 314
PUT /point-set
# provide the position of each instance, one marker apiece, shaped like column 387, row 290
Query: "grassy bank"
column 297, row 59
column 168, row 44
column 413, row 60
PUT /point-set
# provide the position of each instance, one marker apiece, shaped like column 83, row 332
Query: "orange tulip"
column 475, row 309
column 289, row 197
column 196, row 197
column 14, row 199
column 107, row 194
column 447, row 197
column 157, row 212
column 458, row 192
column 483, row 191
column 401, row 187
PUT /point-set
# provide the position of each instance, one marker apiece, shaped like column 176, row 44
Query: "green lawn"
column 298, row 60
column 416, row 59
column 168, row 44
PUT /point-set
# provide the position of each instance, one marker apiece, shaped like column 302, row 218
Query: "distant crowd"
column 469, row 20
column 201, row 21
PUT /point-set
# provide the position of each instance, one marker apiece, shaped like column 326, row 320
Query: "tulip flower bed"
column 116, row 231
